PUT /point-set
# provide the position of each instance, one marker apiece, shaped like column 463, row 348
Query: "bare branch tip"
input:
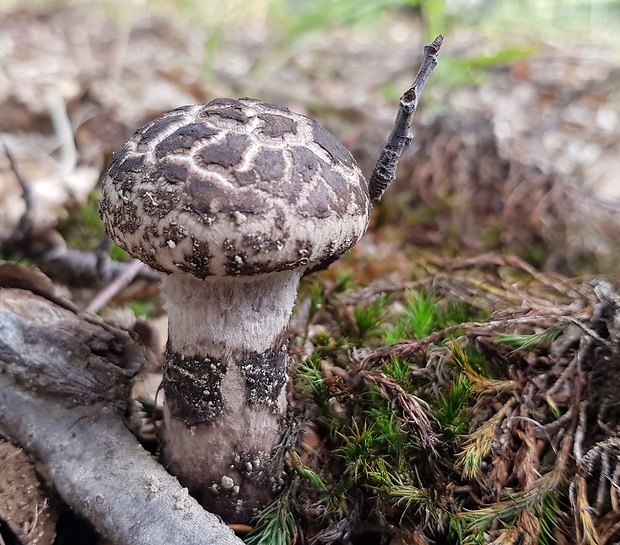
column 384, row 172
column 437, row 42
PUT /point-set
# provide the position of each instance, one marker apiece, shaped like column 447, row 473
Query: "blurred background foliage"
column 525, row 92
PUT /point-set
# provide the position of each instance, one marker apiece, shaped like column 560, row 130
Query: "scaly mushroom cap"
column 234, row 187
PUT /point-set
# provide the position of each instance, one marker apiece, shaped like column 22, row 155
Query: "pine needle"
column 480, row 383
column 583, row 512
column 533, row 498
column 420, row 502
column 414, row 410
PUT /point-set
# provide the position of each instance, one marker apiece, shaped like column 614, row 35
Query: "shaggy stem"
column 224, row 381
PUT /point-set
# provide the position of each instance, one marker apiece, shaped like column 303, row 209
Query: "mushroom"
column 234, row 201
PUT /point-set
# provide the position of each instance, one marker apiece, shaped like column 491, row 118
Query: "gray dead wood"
column 77, row 268
column 103, row 473
column 65, row 379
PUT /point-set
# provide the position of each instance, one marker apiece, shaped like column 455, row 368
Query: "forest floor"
column 456, row 371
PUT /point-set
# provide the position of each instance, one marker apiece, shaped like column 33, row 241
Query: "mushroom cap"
column 234, row 187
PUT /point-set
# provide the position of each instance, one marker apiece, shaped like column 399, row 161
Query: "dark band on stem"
column 193, row 387
column 265, row 376
column 193, row 384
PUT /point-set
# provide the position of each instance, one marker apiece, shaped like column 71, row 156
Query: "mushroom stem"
column 225, row 374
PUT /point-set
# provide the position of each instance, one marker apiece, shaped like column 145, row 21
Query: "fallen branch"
column 65, row 379
column 409, row 348
column 74, row 268
column 79, row 269
column 121, row 281
column 103, row 473
column 24, row 227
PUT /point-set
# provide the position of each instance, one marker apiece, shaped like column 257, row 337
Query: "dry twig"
column 384, row 172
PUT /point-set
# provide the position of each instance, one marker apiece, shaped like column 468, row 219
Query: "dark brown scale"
column 275, row 126
column 182, row 140
column 225, row 108
column 131, row 163
column 305, row 164
column 201, row 194
column 271, row 165
column 154, row 130
column 331, row 145
column 247, row 202
column 246, row 177
column 175, row 233
column 157, row 202
column 198, row 262
column 225, row 154
column 169, row 172
column 318, row 202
